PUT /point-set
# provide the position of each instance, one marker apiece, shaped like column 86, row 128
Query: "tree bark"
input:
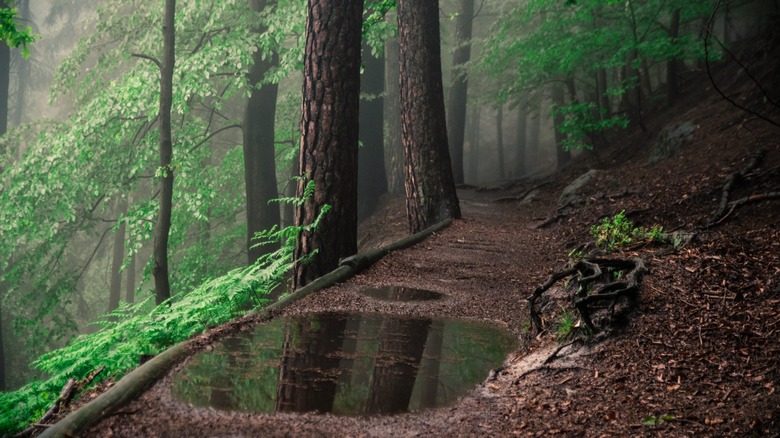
column 329, row 137
column 130, row 281
column 115, row 289
column 563, row 156
column 394, row 148
column 430, row 187
column 259, row 149
column 162, row 287
column 456, row 121
column 522, row 120
column 22, row 72
column 372, row 182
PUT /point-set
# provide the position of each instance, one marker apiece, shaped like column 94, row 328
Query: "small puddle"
column 397, row 293
column 348, row 364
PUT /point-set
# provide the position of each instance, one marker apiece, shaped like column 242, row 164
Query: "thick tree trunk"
column 500, row 141
column 372, row 182
column 162, row 287
column 562, row 155
column 329, row 137
column 394, row 148
column 456, row 122
column 672, row 72
column 115, row 289
column 259, row 152
column 430, row 188
column 520, row 151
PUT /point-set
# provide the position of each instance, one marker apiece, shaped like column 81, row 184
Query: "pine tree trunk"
column 394, row 148
column 329, row 136
column 430, row 187
column 162, row 286
column 456, row 121
column 115, row 288
column 259, row 150
column 372, row 182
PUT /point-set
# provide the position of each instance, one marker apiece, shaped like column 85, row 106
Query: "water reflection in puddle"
column 347, row 364
column 397, row 293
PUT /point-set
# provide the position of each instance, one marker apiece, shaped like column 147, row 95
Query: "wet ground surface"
column 396, row 293
column 698, row 357
column 344, row 363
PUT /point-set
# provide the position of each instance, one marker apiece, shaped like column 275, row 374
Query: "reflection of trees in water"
column 429, row 371
column 308, row 373
column 222, row 383
column 397, row 362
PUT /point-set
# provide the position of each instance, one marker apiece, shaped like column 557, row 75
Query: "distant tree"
column 394, row 148
column 456, row 121
column 372, row 182
column 430, row 187
column 329, row 137
column 118, row 254
column 259, row 147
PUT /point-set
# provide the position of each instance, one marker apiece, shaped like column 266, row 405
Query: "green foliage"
column 581, row 121
column 619, row 231
column 135, row 329
column 567, row 323
column 652, row 420
column 11, row 34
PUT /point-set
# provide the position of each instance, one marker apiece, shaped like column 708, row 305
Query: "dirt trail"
column 698, row 357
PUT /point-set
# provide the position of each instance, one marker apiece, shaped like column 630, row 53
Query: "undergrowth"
column 133, row 330
column 619, row 231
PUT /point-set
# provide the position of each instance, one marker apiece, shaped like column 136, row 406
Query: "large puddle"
column 347, row 364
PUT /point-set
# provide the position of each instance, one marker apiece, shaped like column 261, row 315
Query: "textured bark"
column 372, row 182
column 162, row 287
column 115, row 288
column 329, row 136
column 456, row 121
column 500, row 141
column 394, row 148
column 520, row 151
column 430, row 188
column 259, row 153
column 563, row 156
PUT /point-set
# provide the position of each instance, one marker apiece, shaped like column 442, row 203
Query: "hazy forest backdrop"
column 528, row 85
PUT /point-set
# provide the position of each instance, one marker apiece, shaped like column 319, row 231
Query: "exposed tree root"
column 747, row 200
column 593, row 284
column 733, row 179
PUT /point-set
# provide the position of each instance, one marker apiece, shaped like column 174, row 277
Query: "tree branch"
column 150, row 58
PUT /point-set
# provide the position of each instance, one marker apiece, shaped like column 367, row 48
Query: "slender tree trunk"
column 474, row 145
column 603, row 98
column 672, row 71
column 394, row 148
column 115, row 289
column 562, row 155
column 5, row 76
column 329, row 136
column 500, row 140
column 372, row 182
column 430, row 187
column 534, row 129
column 130, row 281
column 456, row 121
column 22, row 72
column 522, row 120
column 162, row 287
column 259, row 149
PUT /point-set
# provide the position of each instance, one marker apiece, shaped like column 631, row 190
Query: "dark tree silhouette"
column 430, row 188
column 259, row 155
column 372, row 182
column 456, row 121
column 394, row 148
column 162, row 287
column 329, row 136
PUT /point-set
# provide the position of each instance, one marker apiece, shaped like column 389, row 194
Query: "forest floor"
column 697, row 356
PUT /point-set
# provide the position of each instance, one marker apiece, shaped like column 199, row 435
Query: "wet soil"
column 697, row 357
